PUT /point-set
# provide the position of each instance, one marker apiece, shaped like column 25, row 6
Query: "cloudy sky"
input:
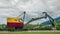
column 33, row 8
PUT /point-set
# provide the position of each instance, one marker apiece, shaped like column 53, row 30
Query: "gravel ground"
column 33, row 31
column 44, row 31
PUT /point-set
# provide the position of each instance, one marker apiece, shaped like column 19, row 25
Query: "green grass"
column 29, row 32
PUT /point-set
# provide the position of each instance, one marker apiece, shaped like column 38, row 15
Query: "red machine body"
column 15, row 22
column 11, row 24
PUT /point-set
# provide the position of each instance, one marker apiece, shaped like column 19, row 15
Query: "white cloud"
column 33, row 8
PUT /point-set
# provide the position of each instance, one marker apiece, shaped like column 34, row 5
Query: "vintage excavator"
column 19, row 22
